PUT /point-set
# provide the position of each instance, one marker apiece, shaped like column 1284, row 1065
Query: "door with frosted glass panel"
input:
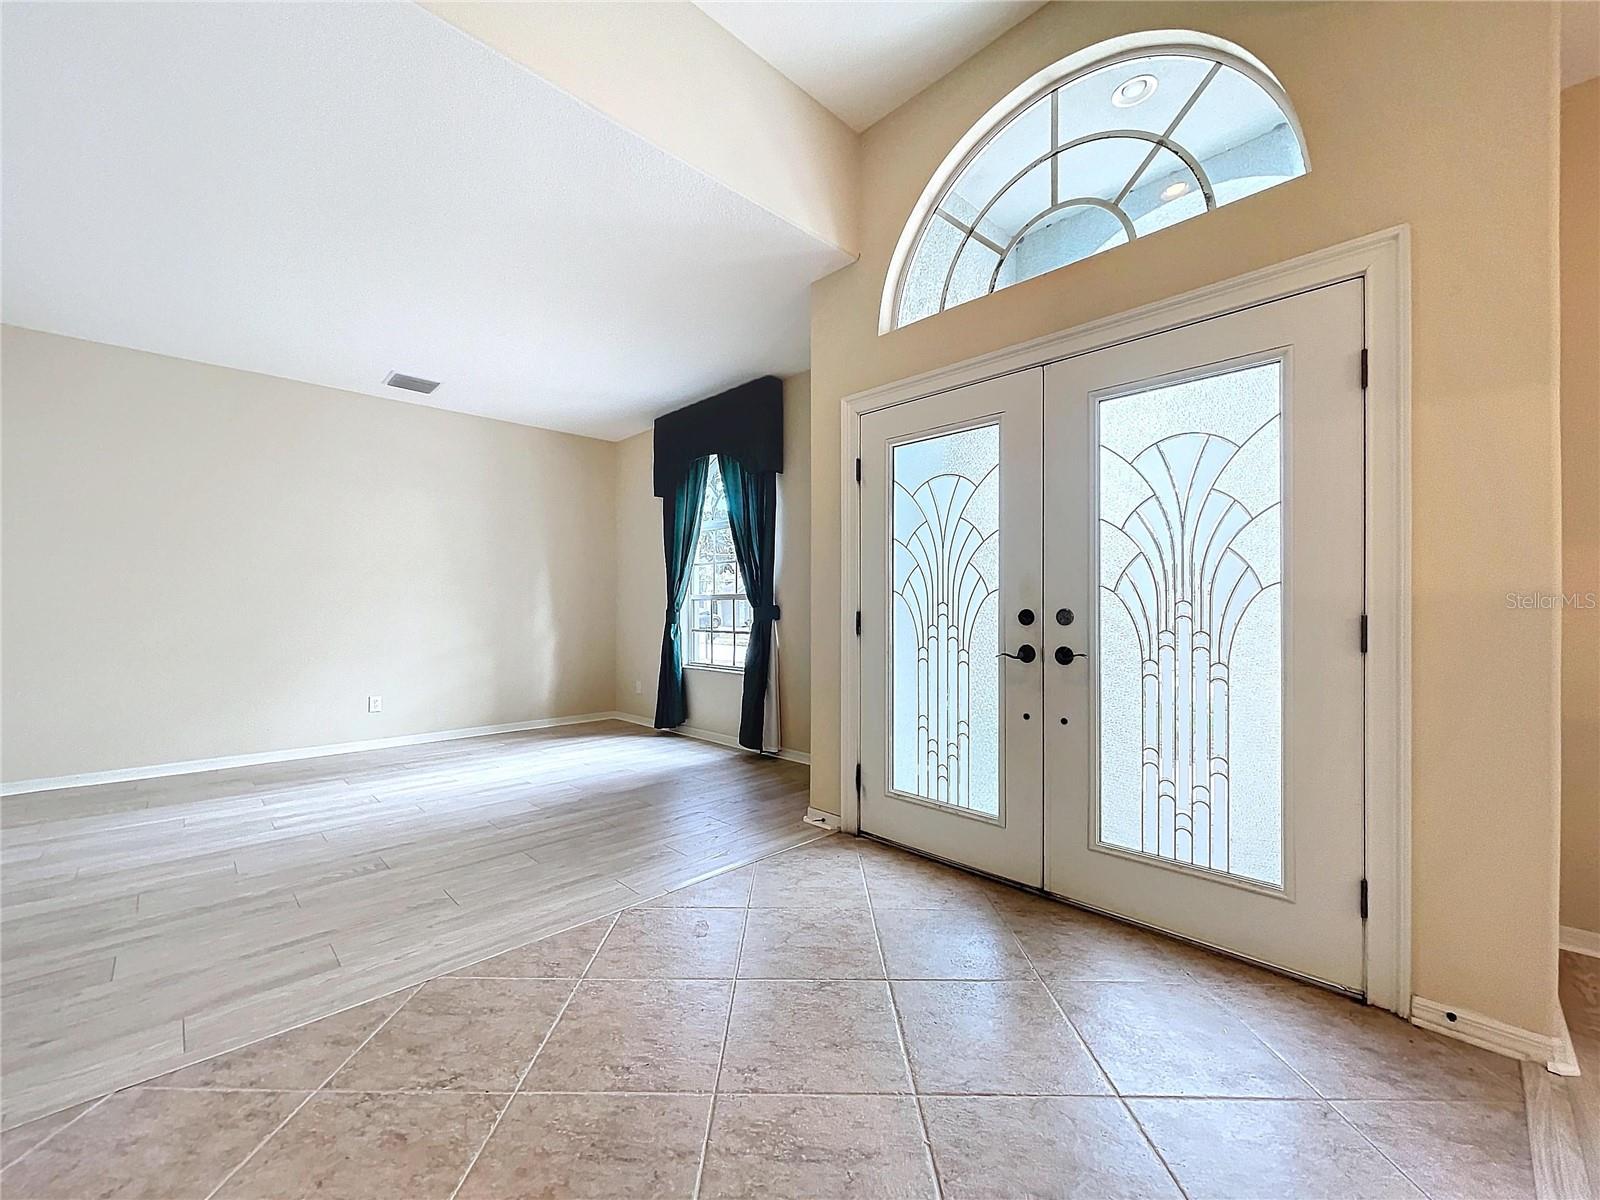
column 951, row 583
column 1204, row 529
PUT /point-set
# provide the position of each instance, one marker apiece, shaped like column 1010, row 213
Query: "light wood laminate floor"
column 1564, row 1111
column 153, row 924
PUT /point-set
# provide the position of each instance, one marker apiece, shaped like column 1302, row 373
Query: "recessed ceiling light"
column 1134, row 91
column 1173, row 190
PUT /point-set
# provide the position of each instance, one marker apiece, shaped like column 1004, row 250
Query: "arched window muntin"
column 1051, row 82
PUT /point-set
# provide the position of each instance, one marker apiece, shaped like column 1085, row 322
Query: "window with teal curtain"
column 716, row 613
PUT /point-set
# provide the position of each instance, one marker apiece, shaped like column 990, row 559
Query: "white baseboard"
column 1565, row 1059
column 715, row 738
column 822, row 820
column 195, row 765
column 1555, row 1053
column 1580, row 941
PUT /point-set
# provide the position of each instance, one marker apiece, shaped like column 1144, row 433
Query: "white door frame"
column 1383, row 261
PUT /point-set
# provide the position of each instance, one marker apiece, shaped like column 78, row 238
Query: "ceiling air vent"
column 411, row 383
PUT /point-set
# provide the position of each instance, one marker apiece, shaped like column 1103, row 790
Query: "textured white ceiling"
column 329, row 192
column 864, row 60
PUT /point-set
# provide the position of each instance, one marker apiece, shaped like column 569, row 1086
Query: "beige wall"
column 202, row 562
column 1580, row 514
column 638, row 562
column 714, row 695
column 794, row 564
column 684, row 83
column 1440, row 115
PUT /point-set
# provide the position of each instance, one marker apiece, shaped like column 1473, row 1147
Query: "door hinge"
column 1363, row 633
column 858, row 469
column 858, row 780
column 1363, row 899
column 858, row 622
column 1363, row 368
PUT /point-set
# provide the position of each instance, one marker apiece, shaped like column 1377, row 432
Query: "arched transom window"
column 1107, row 146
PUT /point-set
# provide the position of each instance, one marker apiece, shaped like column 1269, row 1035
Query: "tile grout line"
column 517, row 1087
column 1095, row 1058
column 307, row 1098
column 47, row 1139
column 900, row 1034
column 1151, row 1142
column 1360, row 1133
column 941, row 1093
column 1211, row 997
column 789, row 978
column 1052, row 1094
column 1317, row 1095
column 722, row 1053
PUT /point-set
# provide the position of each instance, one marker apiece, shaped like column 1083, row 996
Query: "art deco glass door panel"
column 1189, row 609
column 951, row 506
column 1204, row 518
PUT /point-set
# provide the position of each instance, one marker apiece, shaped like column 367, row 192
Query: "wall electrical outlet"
column 638, row 688
column 374, row 704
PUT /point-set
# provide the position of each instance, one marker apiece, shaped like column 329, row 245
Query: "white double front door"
column 1111, row 634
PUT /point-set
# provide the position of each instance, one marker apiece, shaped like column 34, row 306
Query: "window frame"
column 739, row 598
column 1128, row 48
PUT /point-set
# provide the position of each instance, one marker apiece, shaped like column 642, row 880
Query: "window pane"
column 973, row 269
column 1235, row 121
column 1102, row 168
column 715, row 504
column 1189, row 675
column 1165, row 193
column 945, row 681
column 715, row 586
column 1019, row 203
column 1069, row 235
column 1019, row 143
column 924, row 280
column 1085, row 105
column 715, row 543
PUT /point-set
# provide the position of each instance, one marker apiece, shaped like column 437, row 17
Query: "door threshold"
column 1223, row 951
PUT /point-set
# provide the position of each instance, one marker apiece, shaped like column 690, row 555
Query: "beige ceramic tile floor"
column 838, row 1020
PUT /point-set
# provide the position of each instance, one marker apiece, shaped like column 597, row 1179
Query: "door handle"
column 1025, row 653
column 1066, row 654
